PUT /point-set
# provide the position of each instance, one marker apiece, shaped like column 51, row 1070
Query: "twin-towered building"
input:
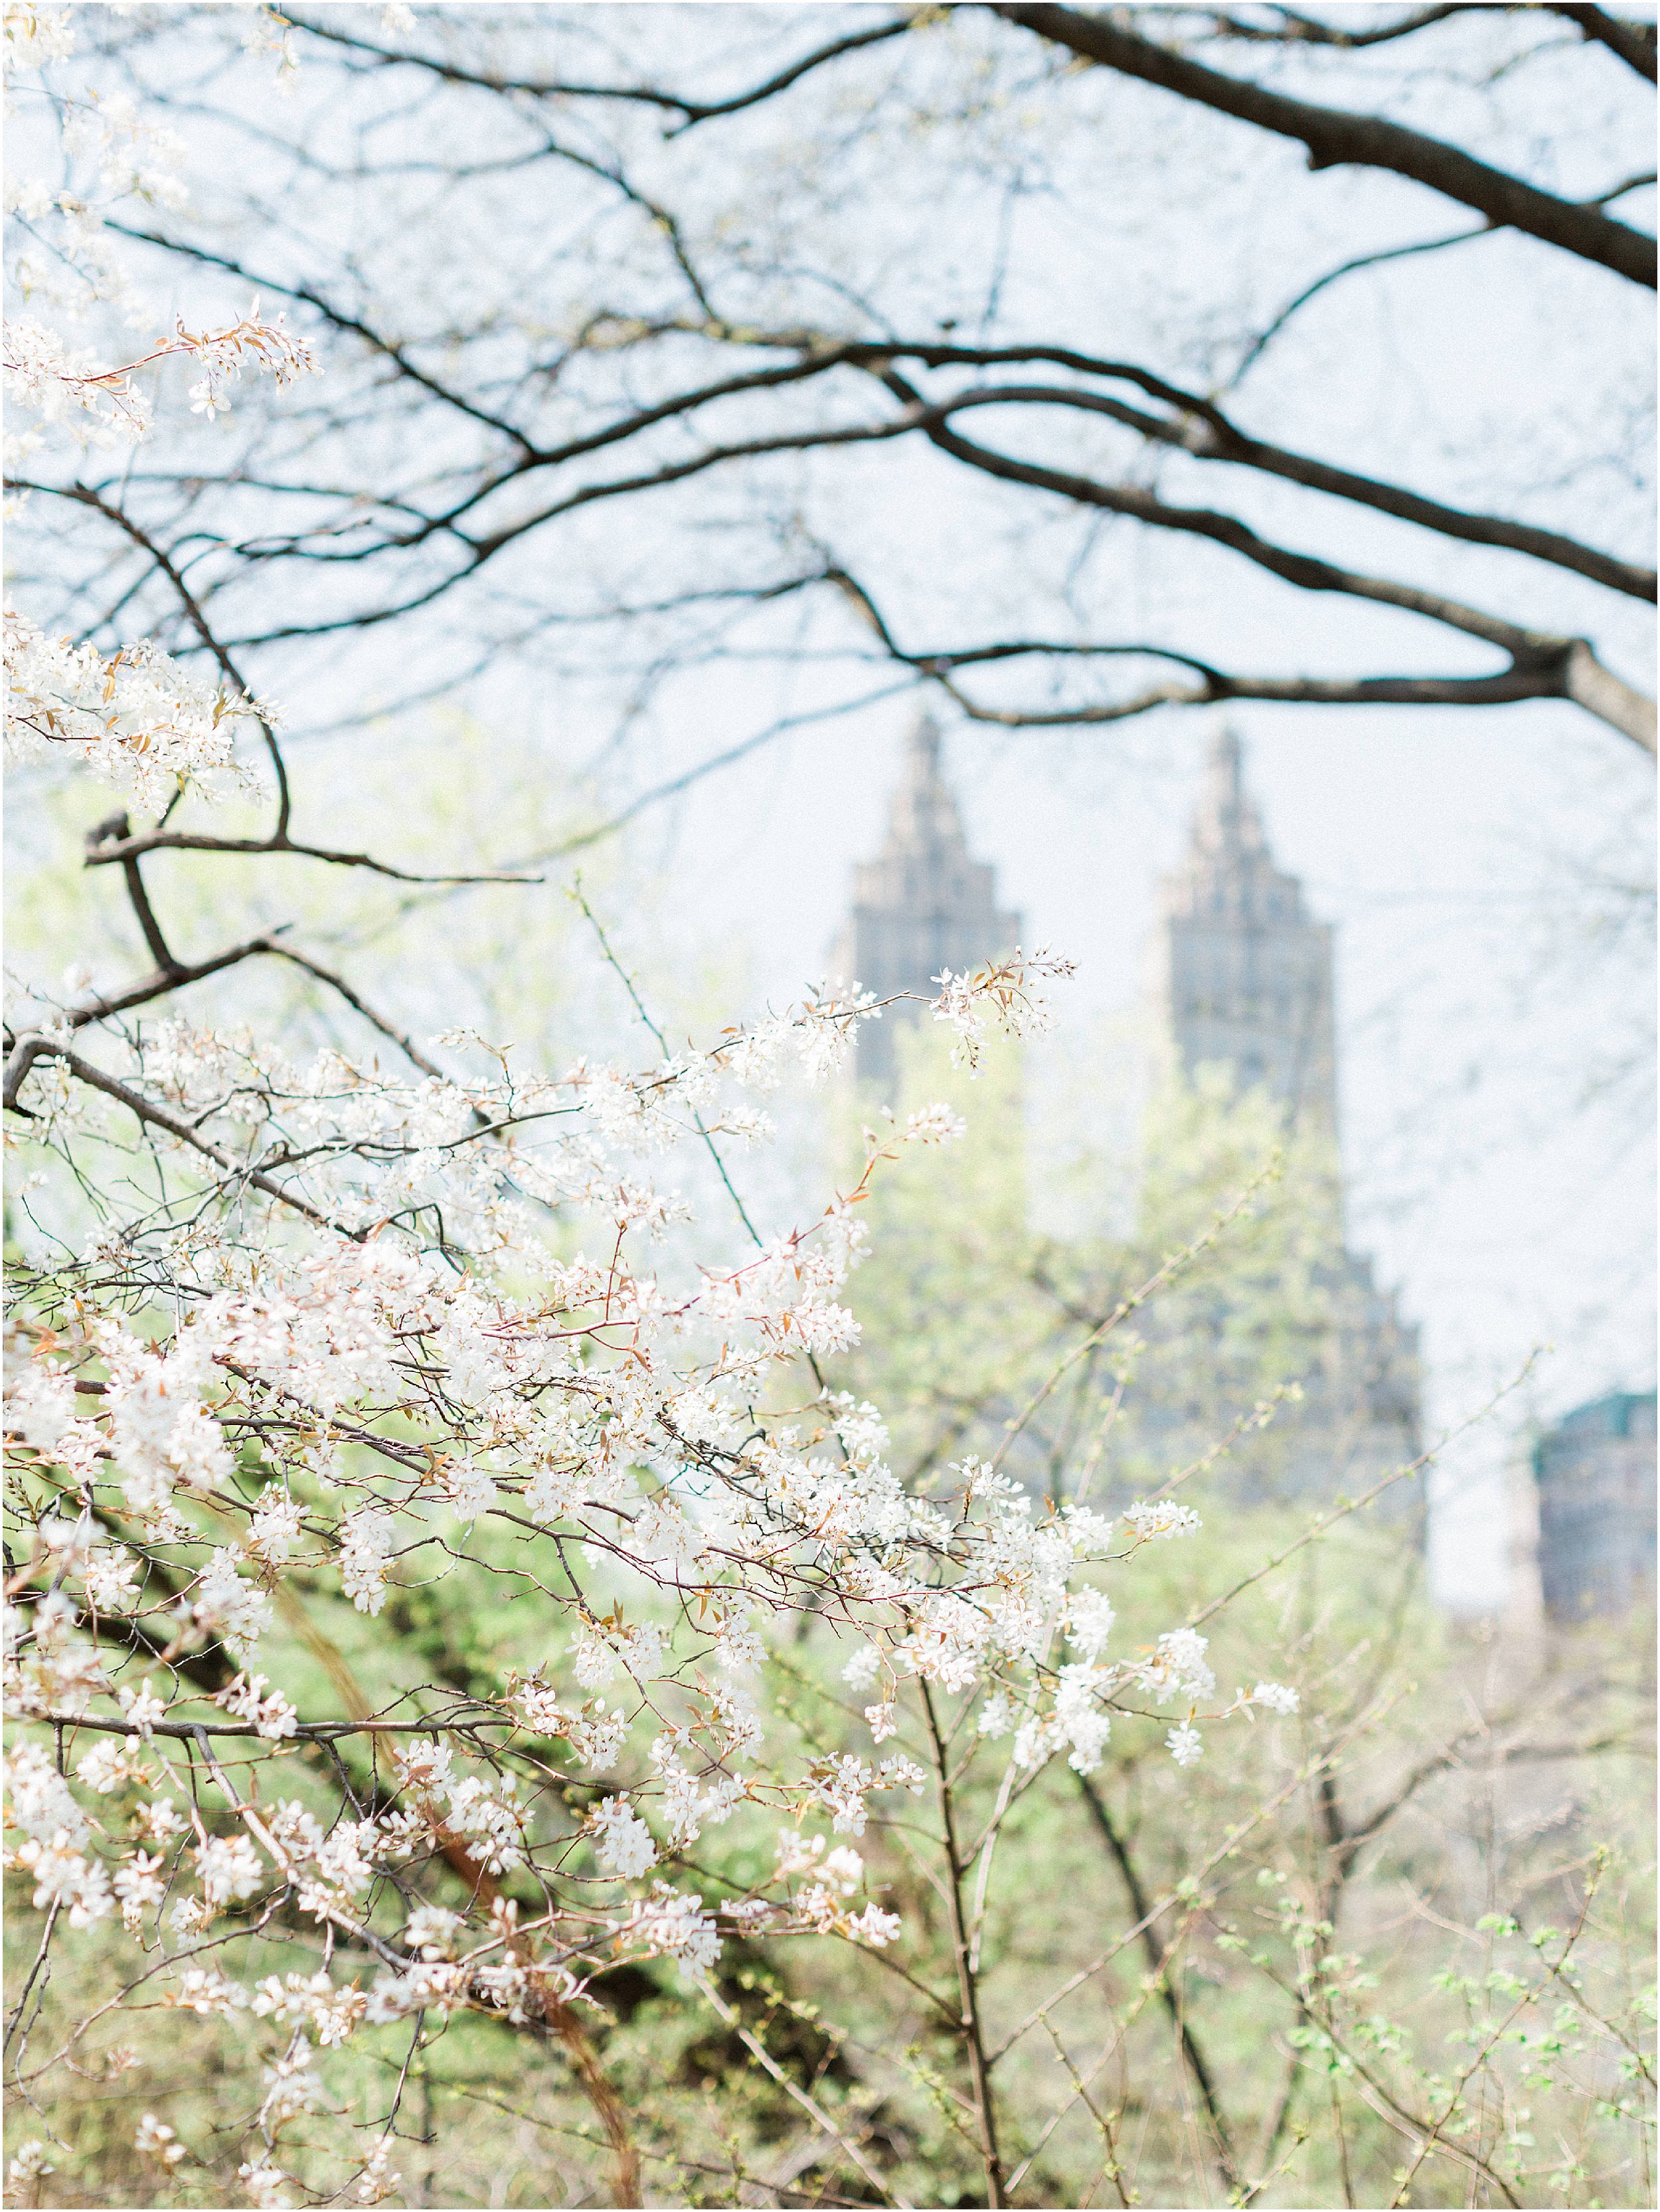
column 1244, row 972
column 1243, row 985
column 1244, row 982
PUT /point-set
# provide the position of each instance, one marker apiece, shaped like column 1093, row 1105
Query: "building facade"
column 1245, row 984
column 1594, row 1477
column 1246, row 971
column 924, row 904
column 1244, row 987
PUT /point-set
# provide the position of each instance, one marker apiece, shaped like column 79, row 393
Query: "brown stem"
column 974, row 2044
column 117, row 830
column 551, row 2009
column 32, row 1047
column 1158, row 1950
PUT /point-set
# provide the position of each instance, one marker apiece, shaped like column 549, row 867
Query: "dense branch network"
column 296, row 1340
column 398, row 550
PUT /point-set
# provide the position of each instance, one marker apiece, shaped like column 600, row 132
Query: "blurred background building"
column 1244, row 992
column 1245, row 984
column 1243, row 973
column 1243, row 989
column 921, row 905
column 1594, row 1476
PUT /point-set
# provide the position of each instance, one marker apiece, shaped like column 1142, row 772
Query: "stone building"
column 1244, row 971
column 1595, row 1478
column 921, row 905
column 1244, row 986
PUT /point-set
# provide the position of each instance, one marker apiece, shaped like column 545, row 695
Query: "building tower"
column 1247, row 971
column 921, row 905
column 1246, row 985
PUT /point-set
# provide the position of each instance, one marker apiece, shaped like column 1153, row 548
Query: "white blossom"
column 110, row 1763
column 1089, row 1623
column 672, row 1924
column 1160, row 1519
column 273, row 1717
column 40, row 1803
column 622, row 1840
column 64, row 1876
column 368, row 1538
column 139, row 1887
column 1275, row 1697
column 228, row 1868
column 30, row 2160
column 1184, row 1744
column 154, row 2138
column 263, row 2181
column 135, row 718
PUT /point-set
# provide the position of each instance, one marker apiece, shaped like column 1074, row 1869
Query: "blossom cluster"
column 135, row 718
column 224, row 1395
column 63, row 254
column 63, row 386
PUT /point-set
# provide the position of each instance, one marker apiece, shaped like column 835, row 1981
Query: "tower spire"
column 1248, row 970
column 924, row 904
column 1227, row 820
column 924, row 749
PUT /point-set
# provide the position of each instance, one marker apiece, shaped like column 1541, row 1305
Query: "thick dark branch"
column 175, row 976
column 1295, row 30
column 482, row 549
column 1213, row 438
column 1336, row 138
column 1309, row 572
column 1634, row 43
column 674, row 472
column 338, row 984
column 1503, row 691
column 1220, row 438
column 199, row 623
column 116, row 828
column 165, row 979
column 1573, row 672
column 178, row 840
column 309, row 1731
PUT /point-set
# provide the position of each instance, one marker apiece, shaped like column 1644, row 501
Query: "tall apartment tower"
column 922, row 905
column 1245, row 975
column 1247, row 970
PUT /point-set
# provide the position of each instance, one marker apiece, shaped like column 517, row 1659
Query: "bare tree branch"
column 690, row 111
column 1157, row 1947
column 1211, row 437
column 1294, row 29
column 1337, row 137
column 1634, row 42
column 34, row 1046
column 1261, row 343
